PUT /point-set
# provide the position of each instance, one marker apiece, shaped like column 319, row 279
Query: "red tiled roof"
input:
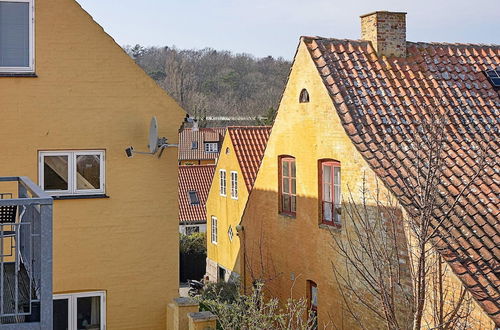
column 249, row 145
column 188, row 135
column 194, row 178
column 382, row 103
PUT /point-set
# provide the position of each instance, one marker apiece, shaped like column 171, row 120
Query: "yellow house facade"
column 71, row 101
column 235, row 172
column 339, row 121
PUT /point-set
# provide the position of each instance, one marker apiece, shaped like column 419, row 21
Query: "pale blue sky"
column 272, row 27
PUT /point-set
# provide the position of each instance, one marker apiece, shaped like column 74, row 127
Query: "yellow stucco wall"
column 228, row 212
column 295, row 250
column 90, row 95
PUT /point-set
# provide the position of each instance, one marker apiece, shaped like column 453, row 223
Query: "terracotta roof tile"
column 187, row 136
column 249, row 145
column 194, row 178
column 382, row 103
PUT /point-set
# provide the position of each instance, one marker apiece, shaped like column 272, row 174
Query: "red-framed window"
column 312, row 298
column 330, row 192
column 287, row 185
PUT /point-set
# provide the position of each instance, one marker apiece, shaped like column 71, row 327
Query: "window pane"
column 55, row 172
column 88, row 313
column 293, row 203
column 327, row 174
column 14, row 34
column 336, row 172
column 193, row 198
column 314, row 296
column 88, row 168
column 60, row 313
column 285, row 169
column 293, row 187
column 286, row 203
column 293, row 168
column 327, row 192
column 286, row 185
column 327, row 211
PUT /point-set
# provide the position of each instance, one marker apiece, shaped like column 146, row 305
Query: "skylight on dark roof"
column 193, row 198
column 494, row 77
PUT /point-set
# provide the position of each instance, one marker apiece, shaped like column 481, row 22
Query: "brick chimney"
column 387, row 32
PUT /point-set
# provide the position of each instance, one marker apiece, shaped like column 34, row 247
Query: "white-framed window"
column 223, row 184
column 234, row 185
column 230, row 233
column 211, row 147
column 17, row 51
column 83, row 310
column 72, row 172
column 214, row 230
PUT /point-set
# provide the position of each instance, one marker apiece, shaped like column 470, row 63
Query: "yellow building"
column 239, row 161
column 71, row 101
column 347, row 122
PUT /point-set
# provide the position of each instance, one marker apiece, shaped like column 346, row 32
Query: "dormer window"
column 16, row 36
column 304, row 96
column 211, row 147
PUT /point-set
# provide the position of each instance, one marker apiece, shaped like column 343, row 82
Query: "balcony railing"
column 25, row 255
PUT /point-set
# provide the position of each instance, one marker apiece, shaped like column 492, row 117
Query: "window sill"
column 63, row 197
column 333, row 228
column 288, row 215
column 19, row 74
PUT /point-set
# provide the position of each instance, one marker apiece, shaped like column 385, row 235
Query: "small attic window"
column 304, row 96
column 194, row 144
column 193, row 198
column 493, row 77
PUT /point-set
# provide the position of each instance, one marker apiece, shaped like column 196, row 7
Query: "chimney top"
column 386, row 31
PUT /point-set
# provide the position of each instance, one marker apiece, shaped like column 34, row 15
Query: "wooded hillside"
column 210, row 83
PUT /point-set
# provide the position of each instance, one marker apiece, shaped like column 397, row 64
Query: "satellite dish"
column 153, row 136
column 154, row 142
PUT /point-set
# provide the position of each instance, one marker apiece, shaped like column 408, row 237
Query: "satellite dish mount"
column 155, row 143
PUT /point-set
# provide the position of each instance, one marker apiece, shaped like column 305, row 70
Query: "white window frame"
column 213, row 232
column 72, row 306
column 31, row 67
column 211, row 147
column 234, row 185
column 72, row 186
column 222, row 183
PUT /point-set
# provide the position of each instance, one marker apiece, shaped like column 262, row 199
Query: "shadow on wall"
column 287, row 253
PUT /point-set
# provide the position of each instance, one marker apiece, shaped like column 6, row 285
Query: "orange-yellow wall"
column 90, row 95
column 227, row 210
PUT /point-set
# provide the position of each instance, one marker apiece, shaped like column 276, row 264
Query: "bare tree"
column 392, row 255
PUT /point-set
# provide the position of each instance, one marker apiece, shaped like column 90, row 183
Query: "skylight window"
column 194, row 144
column 494, row 77
column 193, row 198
